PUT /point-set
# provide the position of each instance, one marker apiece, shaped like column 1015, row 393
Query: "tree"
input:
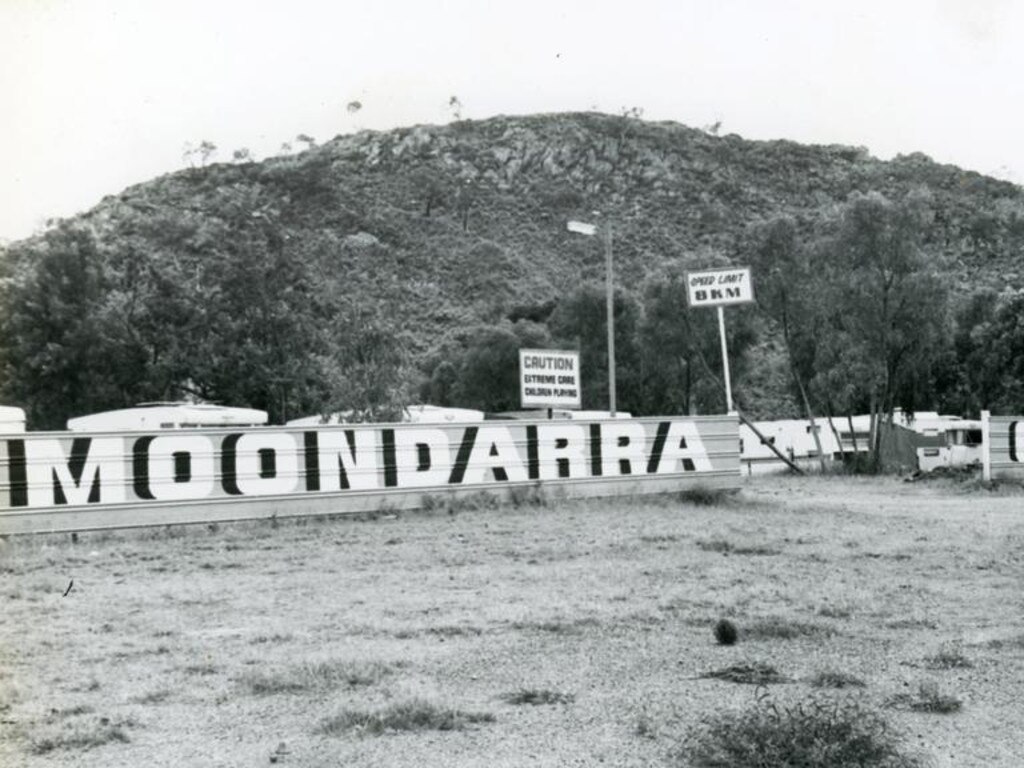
column 59, row 358
column 465, row 196
column 786, row 293
column 886, row 300
column 482, row 369
column 580, row 322
column 988, row 353
column 363, row 368
column 431, row 186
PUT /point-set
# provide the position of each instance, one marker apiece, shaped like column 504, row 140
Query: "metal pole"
column 611, row 317
column 725, row 359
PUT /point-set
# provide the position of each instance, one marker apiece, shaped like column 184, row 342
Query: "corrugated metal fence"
column 1003, row 437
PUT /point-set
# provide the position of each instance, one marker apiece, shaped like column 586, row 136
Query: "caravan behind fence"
column 148, row 416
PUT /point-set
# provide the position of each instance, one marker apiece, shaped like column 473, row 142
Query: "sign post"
column 549, row 378
column 582, row 228
column 725, row 360
column 719, row 288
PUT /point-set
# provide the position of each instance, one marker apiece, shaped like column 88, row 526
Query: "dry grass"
column 612, row 601
column 948, row 658
column 318, row 676
column 927, row 697
column 750, row 673
column 780, row 628
column 816, row 733
column 537, row 696
column 412, row 715
column 834, row 679
column 79, row 735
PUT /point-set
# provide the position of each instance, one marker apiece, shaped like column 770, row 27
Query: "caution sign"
column 719, row 287
column 549, row 378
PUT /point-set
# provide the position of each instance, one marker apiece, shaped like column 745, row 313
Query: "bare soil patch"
column 580, row 633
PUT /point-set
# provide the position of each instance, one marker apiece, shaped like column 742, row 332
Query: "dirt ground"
column 572, row 634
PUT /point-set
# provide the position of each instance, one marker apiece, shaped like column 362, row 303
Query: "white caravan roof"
column 148, row 416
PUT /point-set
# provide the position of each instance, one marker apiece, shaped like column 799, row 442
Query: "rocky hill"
column 442, row 227
column 447, row 223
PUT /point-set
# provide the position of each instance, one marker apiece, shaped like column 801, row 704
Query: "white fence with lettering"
column 60, row 481
column 1003, row 447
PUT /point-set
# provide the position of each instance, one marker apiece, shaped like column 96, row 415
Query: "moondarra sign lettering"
column 53, row 470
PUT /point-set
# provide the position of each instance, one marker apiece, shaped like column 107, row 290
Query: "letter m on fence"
column 93, row 473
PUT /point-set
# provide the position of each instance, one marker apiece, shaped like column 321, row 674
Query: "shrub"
column 725, row 632
column 819, row 733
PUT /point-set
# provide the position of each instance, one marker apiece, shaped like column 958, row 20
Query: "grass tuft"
column 319, row 676
column 714, row 545
column 756, row 673
column 948, row 658
column 528, row 496
column 537, row 696
column 558, row 627
column 702, row 496
column 815, row 734
column 776, row 628
column 453, row 504
column 153, row 697
column 1006, row 642
column 412, row 715
column 80, row 736
column 833, row 679
column 927, row 698
column 728, row 548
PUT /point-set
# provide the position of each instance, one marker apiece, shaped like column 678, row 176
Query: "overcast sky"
column 101, row 94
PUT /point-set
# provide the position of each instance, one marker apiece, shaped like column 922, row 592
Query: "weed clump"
column 703, row 496
column 413, row 715
column 727, row 548
column 756, row 673
column 819, row 733
column 833, row 679
column 527, row 496
column 537, row 696
column 453, row 504
column 776, row 628
column 81, row 736
column 927, row 698
column 313, row 677
column 948, row 658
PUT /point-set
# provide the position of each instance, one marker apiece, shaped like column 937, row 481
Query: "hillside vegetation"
column 347, row 275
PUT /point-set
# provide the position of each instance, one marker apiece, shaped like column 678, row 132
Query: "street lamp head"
column 582, row 228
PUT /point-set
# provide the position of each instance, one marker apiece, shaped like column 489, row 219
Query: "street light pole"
column 606, row 230
column 610, row 310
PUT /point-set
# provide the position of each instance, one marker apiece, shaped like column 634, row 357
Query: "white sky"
column 100, row 94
